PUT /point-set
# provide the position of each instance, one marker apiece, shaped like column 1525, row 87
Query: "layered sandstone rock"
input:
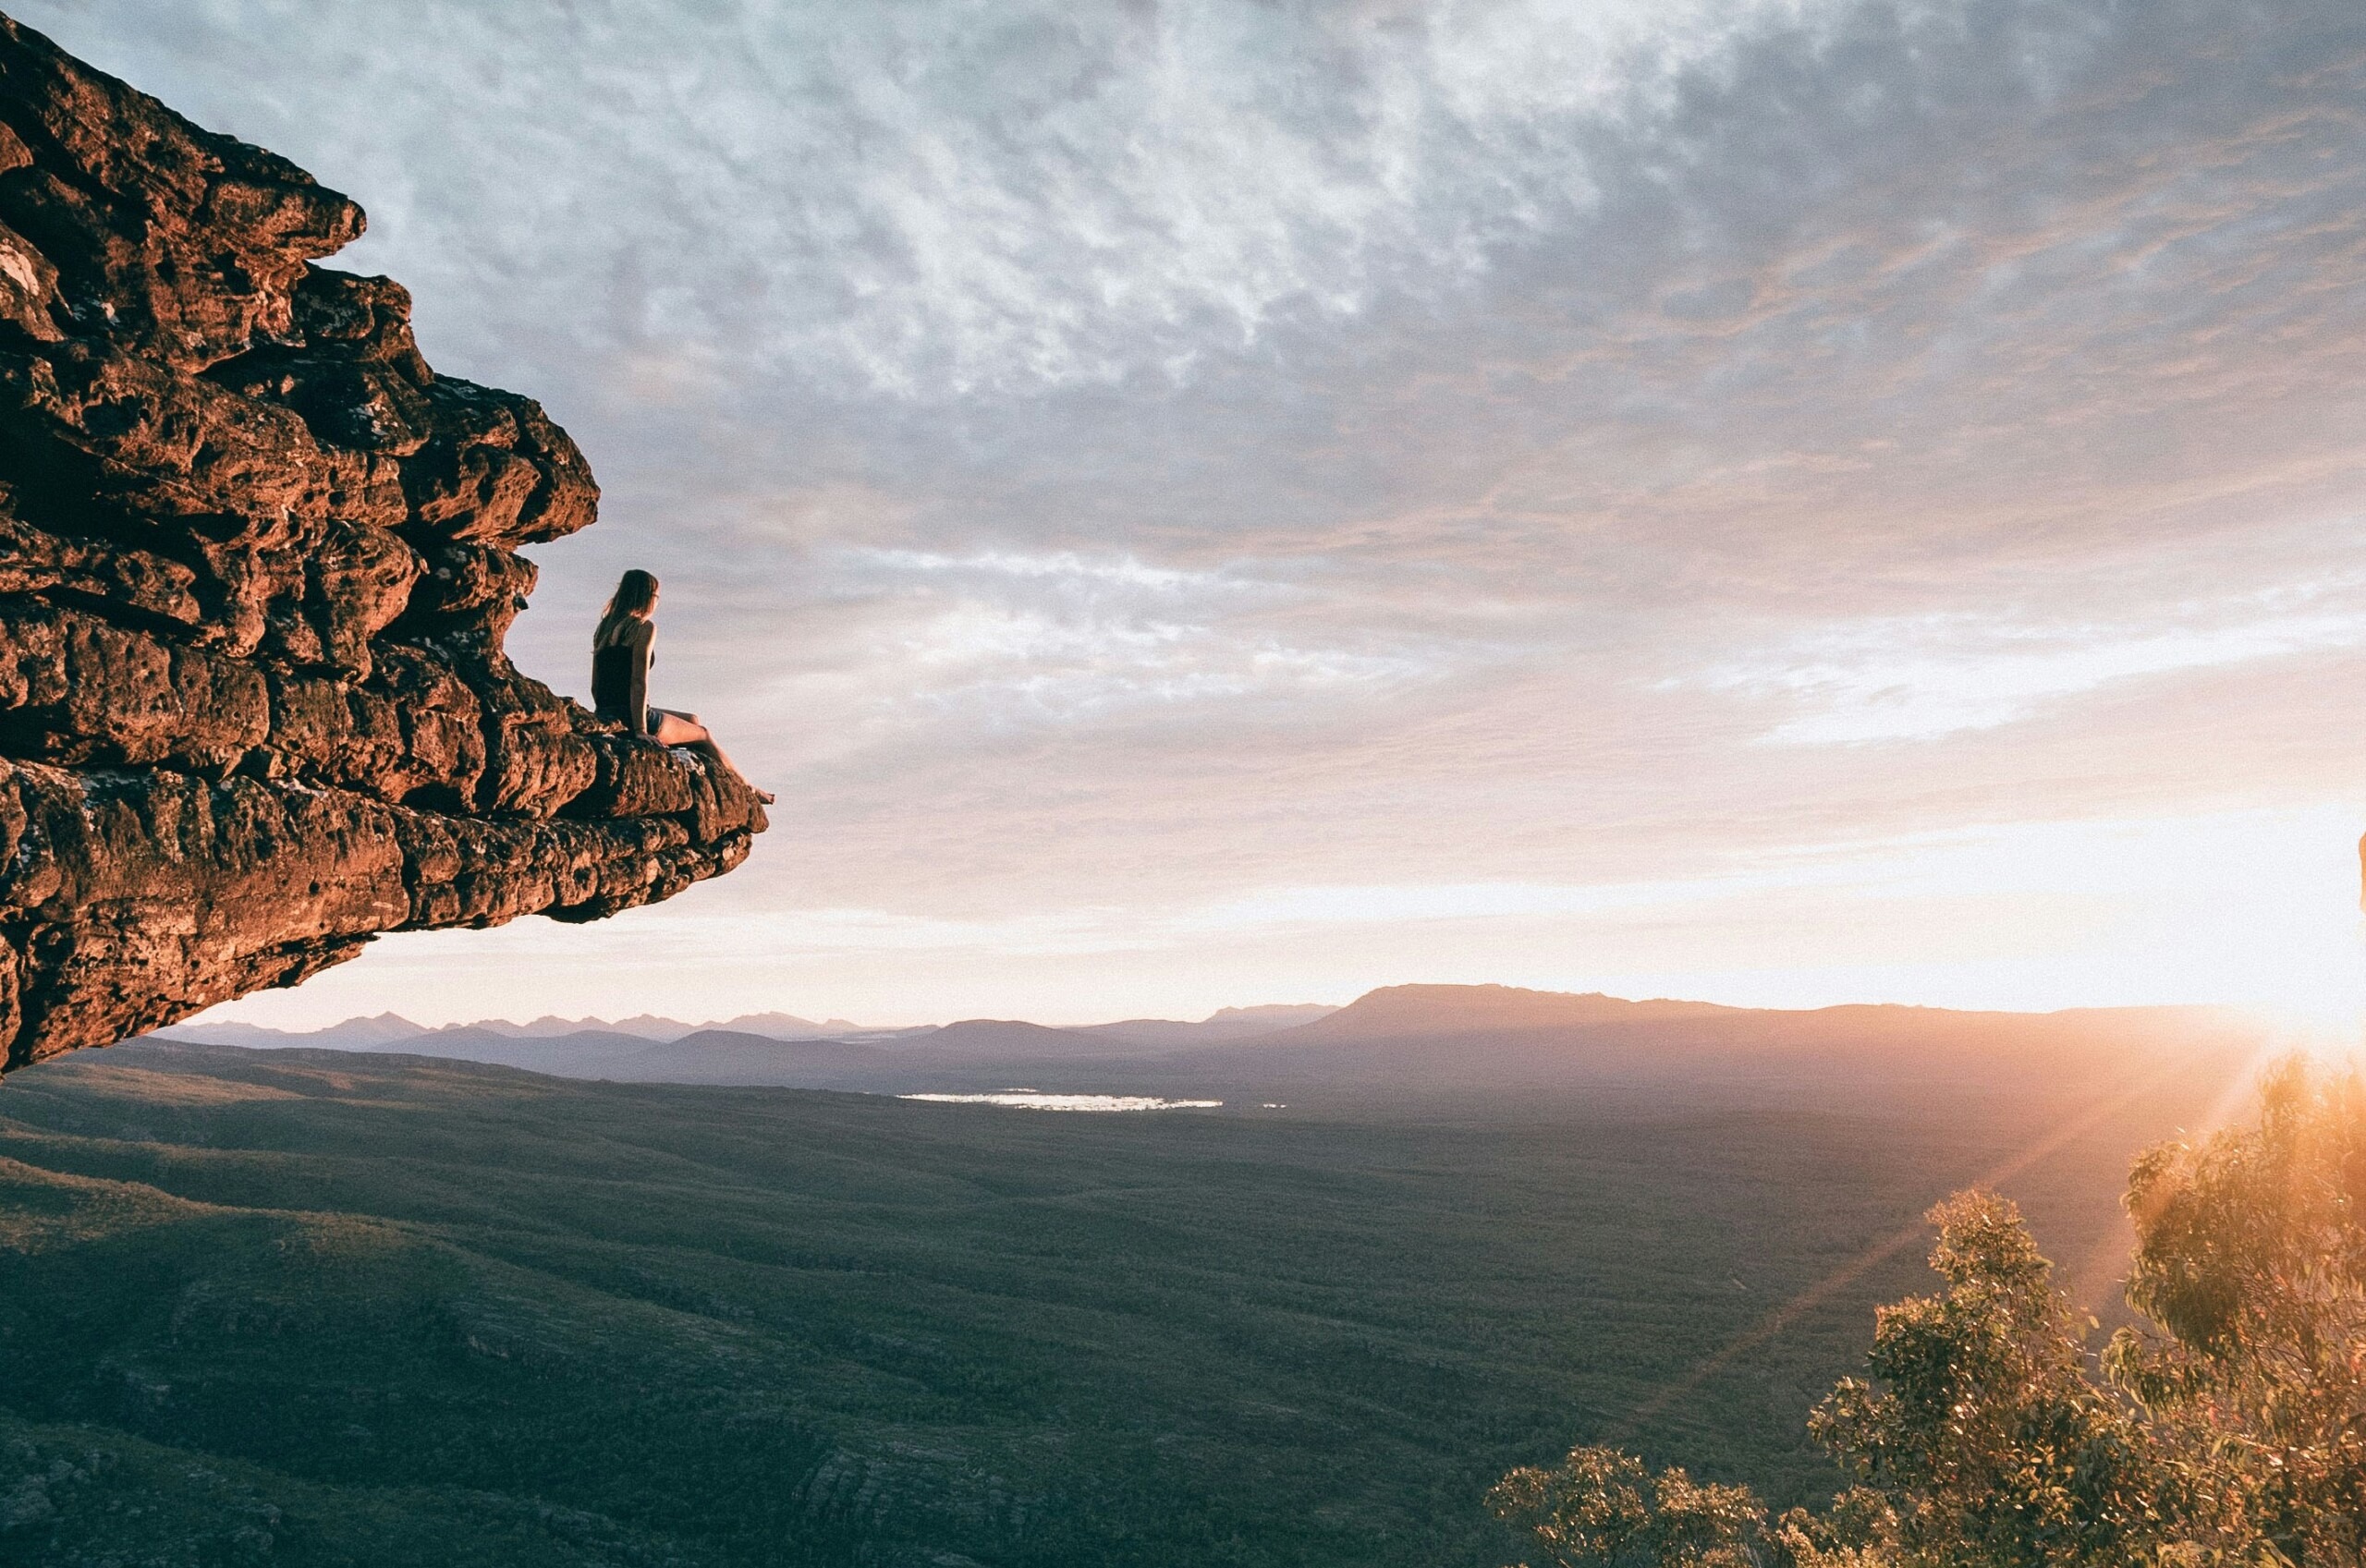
column 256, row 563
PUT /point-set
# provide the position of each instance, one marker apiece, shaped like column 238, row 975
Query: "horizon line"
column 589, row 1022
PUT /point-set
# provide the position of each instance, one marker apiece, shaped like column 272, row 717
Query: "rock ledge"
column 256, row 563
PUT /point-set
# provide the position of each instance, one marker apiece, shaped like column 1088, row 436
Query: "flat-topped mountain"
column 1427, row 1040
column 257, row 559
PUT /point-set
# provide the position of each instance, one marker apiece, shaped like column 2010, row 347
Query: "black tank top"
column 613, row 669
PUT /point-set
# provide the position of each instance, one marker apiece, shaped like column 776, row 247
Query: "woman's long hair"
column 636, row 592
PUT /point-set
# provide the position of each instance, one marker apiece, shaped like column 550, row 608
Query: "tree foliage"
column 1604, row 1507
column 2230, row 1428
column 2252, row 1272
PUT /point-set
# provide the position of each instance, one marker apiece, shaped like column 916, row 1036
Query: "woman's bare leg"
column 683, row 729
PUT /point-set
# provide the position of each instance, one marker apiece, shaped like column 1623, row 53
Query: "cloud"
column 1203, row 450
column 933, row 198
column 1922, row 678
column 1006, row 638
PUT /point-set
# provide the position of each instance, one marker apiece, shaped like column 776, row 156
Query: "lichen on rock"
column 256, row 560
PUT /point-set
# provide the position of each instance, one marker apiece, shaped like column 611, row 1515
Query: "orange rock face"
column 256, row 565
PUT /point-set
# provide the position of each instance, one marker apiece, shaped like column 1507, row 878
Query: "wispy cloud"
column 1921, row 678
column 1196, row 450
column 934, row 198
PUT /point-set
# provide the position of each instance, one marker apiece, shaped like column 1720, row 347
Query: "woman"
column 622, row 651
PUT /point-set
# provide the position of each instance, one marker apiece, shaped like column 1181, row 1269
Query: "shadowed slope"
column 761, row 1327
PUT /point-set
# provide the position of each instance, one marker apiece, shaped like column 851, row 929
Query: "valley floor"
column 344, row 1309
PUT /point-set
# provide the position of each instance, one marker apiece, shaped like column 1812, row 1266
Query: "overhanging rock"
column 256, row 565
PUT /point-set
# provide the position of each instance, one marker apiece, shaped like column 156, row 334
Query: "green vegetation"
column 317, row 1309
column 2228, row 1426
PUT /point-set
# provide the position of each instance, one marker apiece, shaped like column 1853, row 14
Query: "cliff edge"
column 256, row 563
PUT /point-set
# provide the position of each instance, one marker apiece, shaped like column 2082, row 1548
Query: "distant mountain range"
column 390, row 1031
column 1428, row 1044
column 385, row 1031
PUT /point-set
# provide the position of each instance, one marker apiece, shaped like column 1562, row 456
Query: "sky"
column 1783, row 502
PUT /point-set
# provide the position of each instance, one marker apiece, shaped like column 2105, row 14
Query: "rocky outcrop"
column 256, row 565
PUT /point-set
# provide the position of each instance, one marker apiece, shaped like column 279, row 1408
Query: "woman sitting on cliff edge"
column 622, row 651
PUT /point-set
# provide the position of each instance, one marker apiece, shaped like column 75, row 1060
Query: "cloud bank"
column 1113, row 464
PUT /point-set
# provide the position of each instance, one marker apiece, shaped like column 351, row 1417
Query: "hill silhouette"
column 1011, row 1039
column 388, row 1030
column 1418, row 1011
column 1435, row 1046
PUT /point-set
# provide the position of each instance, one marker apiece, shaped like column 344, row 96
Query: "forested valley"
column 311, row 1306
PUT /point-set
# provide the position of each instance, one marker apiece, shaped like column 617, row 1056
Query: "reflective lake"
column 1035, row 1100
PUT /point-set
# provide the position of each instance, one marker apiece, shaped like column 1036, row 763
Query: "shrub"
column 2230, row 1428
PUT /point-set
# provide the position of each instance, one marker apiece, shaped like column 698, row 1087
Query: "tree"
column 2250, row 1269
column 1981, row 1427
column 2231, row 1430
column 1601, row 1508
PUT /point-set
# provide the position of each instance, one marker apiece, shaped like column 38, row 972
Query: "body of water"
column 1035, row 1100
